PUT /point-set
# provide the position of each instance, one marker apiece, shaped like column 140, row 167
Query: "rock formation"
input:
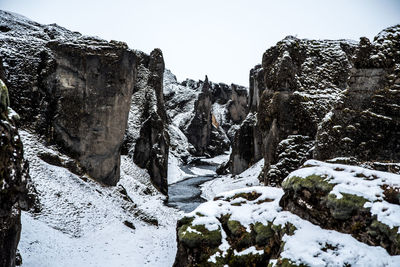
column 246, row 145
column 298, row 82
column 199, row 129
column 147, row 136
column 74, row 90
column 207, row 113
column 13, row 178
column 351, row 211
column 365, row 123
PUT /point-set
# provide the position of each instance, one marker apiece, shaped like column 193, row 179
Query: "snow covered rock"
column 349, row 199
column 292, row 152
column 13, row 180
column 199, row 128
column 147, row 138
column 74, row 90
column 365, row 123
column 207, row 113
column 303, row 80
column 247, row 227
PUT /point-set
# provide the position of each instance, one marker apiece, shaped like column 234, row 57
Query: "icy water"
column 185, row 195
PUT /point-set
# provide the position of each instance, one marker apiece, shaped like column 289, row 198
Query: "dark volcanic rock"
column 148, row 127
column 73, row 89
column 199, row 129
column 246, row 146
column 292, row 153
column 366, row 122
column 247, row 142
column 303, row 80
column 13, row 179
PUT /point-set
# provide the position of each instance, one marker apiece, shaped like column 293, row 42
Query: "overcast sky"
column 221, row 38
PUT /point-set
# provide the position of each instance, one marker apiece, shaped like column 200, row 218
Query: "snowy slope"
column 82, row 223
column 229, row 182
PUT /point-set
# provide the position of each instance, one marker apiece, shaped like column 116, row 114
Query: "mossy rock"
column 4, row 99
column 239, row 237
column 247, row 260
column 343, row 208
column 200, row 236
column 314, row 183
column 287, row 263
column 264, row 233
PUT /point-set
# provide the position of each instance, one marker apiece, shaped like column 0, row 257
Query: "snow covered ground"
column 82, row 222
column 229, row 182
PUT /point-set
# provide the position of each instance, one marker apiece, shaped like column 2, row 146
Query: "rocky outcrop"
column 304, row 79
column 74, row 90
column 13, row 179
column 365, row 123
column 147, row 135
column 347, row 199
column 207, row 113
column 246, row 145
column 199, row 129
column 323, row 212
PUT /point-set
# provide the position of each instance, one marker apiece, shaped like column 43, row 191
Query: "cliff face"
column 147, row 137
column 298, row 82
column 199, row 129
column 207, row 113
column 74, row 90
column 365, row 123
column 246, row 145
column 13, row 179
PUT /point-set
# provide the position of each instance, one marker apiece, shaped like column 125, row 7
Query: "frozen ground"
column 82, row 223
column 229, row 182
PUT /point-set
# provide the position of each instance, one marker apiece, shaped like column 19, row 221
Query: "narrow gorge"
column 107, row 159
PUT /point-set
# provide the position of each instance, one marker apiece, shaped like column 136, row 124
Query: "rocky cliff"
column 204, row 115
column 298, row 82
column 147, row 138
column 13, row 179
column 365, row 123
column 74, row 90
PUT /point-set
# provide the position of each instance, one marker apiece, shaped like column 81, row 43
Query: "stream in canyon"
column 186, row 194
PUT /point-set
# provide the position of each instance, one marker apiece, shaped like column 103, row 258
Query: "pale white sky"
column 221, row 38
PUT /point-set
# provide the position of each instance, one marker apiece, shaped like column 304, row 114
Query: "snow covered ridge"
column 259, row 225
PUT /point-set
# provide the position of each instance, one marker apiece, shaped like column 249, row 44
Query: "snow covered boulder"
column 348, row 199
column 247, row 227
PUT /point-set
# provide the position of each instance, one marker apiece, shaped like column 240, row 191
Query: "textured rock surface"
column 199, row 128
column 366, row 122
column 248, row 227
column 147, row 126
column 347, row 199
column 208, row 113
column 73, row 89
column 303, row 79
column 246, row 145
column 13, row 178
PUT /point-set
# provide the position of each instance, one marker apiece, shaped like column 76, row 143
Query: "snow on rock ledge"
column 257, row 226
column 349, row 199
